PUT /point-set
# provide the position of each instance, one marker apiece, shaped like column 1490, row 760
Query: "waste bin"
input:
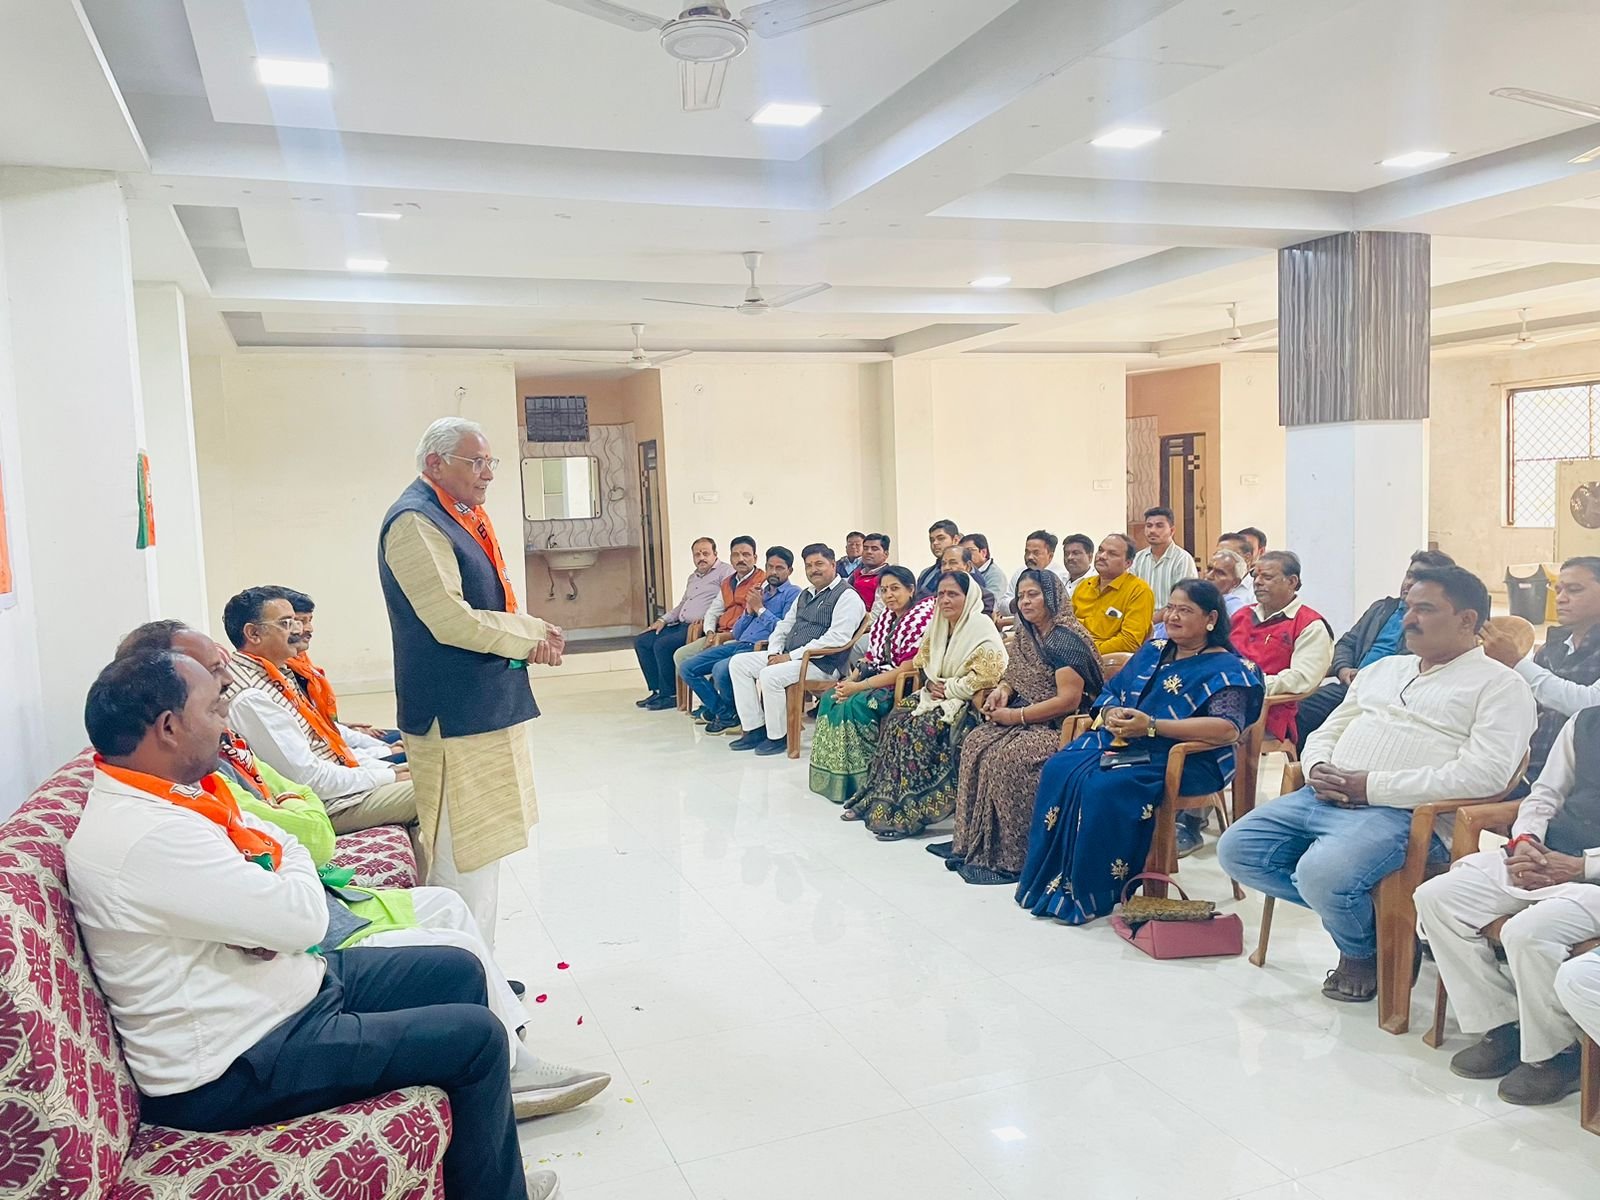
column 1552, row 572
column 1528, row 591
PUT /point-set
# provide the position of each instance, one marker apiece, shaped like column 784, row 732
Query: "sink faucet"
column 550, row 542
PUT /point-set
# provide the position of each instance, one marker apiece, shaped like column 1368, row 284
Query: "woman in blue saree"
column 1093, row 818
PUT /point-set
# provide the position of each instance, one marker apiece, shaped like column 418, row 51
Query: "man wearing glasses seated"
column 272, row 711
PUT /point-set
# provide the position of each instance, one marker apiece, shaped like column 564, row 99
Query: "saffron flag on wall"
column 147, row 505
column 8, row 583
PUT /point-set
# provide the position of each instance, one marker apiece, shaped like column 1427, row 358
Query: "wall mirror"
column 561, row 489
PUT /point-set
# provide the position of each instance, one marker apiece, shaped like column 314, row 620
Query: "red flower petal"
column 580, row 1020
column 540, row 998
column 562, row 966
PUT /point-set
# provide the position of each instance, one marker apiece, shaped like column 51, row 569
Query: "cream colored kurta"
column 486, row 778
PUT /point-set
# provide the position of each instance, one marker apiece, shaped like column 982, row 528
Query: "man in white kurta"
column 1551, row 896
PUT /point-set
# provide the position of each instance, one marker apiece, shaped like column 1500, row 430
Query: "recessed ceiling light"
column 1416, row 158
column 790, row 115
column 366, row 264
column 1125, row 139
column 990, row 281
column 292, row 72
column 381, row 216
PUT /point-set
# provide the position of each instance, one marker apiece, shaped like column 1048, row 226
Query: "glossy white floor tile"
column 792, row 1009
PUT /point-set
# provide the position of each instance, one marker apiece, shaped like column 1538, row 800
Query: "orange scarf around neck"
column 317, row 686
column 475, row 520
column 326, row 729
column 216, row 807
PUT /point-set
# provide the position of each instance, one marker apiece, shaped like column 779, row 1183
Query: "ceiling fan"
column 1576, row 108
column 637, row 359
column 754, row 303
column 1571, row 327
column 1233, row 338
column 705, row 35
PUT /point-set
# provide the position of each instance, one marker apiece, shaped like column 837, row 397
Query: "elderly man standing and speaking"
column 461, row 651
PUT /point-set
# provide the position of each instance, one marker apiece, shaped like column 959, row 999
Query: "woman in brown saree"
column 1053, row 673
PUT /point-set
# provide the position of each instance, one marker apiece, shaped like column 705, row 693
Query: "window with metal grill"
column 557, row 418
column 1545, row 425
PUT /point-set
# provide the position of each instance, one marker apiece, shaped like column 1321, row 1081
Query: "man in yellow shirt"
column 1116, row 608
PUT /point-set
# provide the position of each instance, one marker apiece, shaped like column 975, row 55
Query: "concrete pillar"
column 81, row 423
column 169, row 428
column 1354, row 323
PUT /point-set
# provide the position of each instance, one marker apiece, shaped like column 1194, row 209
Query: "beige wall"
column 1187, row 400
column 300, row 457
column 1250, row 461
column 1467, row 453
column 790, row 453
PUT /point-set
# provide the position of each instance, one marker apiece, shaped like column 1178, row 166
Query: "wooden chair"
column 1110, row 664
column 1394, row 903
column 1471, row 824
column 685, row 696
column 1253, row 747
column 797, row 691
column 1163, row 856
column 911, row 680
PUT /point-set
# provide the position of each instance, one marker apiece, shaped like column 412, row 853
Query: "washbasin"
column 570, row 560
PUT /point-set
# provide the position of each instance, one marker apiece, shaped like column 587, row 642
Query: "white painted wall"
column 23, row 758
column 169, row 430
column 1357, row 510
column 790, row 453
column 80, row 422
column 1467, row 444
column 1253, row 478
column 300, row 457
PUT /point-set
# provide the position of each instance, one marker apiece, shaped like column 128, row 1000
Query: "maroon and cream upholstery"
column 69, row 1112
column 382, row 856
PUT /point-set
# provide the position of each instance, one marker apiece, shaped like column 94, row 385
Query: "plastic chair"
column 1253, row 747
column 685, row 696
column 795, row 694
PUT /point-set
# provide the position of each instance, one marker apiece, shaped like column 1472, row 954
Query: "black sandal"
column 893, row 835
column 987, row 876
column 1359, row 995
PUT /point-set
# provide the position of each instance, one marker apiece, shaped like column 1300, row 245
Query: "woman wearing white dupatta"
column 912, row 782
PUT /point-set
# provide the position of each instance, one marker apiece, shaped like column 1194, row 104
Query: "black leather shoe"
column 773, row 746
column 518, row 988
column 647, row 701
column 1495, row 1055
column 1544, row 1082
column 749, row 740
column 661, row 704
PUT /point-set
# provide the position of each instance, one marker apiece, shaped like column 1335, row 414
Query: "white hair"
column 443, row 436
column 1240, row 567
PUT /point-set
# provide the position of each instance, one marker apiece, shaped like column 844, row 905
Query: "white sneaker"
column 542, row 1185
column 551, row 1088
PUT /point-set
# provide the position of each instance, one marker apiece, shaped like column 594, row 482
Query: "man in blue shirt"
column 850, row 563
column 1376, row 635
column 707, row 672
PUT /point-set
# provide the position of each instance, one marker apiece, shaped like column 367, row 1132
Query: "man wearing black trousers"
column 171, row 883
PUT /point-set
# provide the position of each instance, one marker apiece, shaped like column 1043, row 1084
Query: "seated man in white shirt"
column 200, row 925
column 1440, row 722
column 1547, row 881
column 828, row 613
column 271, row 709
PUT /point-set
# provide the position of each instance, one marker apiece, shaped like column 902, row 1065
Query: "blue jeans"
column 706, row 674
column 1323, row 857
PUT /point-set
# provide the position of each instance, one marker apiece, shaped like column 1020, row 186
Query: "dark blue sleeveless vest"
column 466, row 692
column 1576, row 827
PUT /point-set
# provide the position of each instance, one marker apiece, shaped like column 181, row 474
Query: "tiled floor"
column 793, row 1010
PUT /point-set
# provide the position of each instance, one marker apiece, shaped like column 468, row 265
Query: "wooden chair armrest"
column 910, row 680
column 719, row 638
column 697, row 630
column 761, row 645
column 1290, row 697
column 1176, row 757
column 1294, row 777
column 1075, row 727
column 825, row 651
column 1472, row 822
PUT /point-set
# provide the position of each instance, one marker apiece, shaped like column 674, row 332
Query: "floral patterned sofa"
column 69, row 1112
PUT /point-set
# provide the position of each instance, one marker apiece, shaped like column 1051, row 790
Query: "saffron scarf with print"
column 210, row 802
column 475, row 520
column 318, row 689
column 326, row 729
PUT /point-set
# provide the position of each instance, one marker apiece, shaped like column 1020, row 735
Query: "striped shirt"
column 1163, row 573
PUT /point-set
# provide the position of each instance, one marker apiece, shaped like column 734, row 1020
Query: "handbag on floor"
column 1185, row 928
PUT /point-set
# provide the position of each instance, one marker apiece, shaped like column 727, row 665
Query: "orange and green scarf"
column 212, row 803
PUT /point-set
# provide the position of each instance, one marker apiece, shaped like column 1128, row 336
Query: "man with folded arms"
column 728, row 604
column 271, row 708
column 1440, row 722
column 668, row 633
column 1547, row 881
column 201, row 925
column 707, row 673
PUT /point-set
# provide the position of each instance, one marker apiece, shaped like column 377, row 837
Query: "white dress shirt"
column 847, row 614
column 1549, row 795
column 269, row 725
column 1454, row 732
column 168, row 906
column 1556, row 693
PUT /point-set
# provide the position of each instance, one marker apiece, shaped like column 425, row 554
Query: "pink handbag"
column 1217, row 935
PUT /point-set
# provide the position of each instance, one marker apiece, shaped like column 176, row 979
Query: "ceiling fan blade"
column 702, row 84
column 657, row 359
column 778, row 17
column 1576, row 108
column 616, row 14
column 798, row 294
column 1587, row 157
column 690, row 303
column 593, row 362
